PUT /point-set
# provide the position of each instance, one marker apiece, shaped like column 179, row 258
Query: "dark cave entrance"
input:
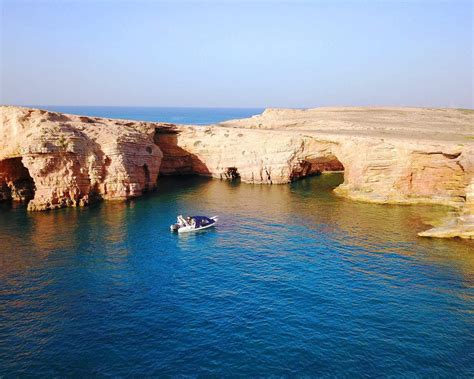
column 312, row 166
column 16, row 182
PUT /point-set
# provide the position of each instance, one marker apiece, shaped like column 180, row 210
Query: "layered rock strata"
column 394, row 155
column 400, row 155
column 64, row 160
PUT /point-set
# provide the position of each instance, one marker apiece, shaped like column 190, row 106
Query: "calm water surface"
column 176, row 115
column 294, row 281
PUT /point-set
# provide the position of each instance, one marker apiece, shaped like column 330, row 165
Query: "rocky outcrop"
column 65, row 160
column 253, row 156
column 405, row 172
column 457, row 225
column 403, row 156
column 375, row 169
column 395, row 155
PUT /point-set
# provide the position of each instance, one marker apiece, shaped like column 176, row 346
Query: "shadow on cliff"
column 176, row 160
column 16, row 182
column 316, row 166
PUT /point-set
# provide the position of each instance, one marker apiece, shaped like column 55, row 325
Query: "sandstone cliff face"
column 388, row 155
column 404, row 172
column 457, row 225
column 375, row 170
column 69, row 160
column 252, row 156
column 394, row 155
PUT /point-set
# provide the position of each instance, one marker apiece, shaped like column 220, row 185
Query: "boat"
column 193, row 223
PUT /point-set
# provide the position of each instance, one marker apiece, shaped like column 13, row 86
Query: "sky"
column 237, row 54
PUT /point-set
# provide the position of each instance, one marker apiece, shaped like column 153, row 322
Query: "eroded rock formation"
column 396, row 155
column 254, row 156
column 15, row 181
column 400, row 155
column 67, row 160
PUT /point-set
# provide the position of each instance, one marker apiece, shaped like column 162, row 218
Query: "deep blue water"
column 177, row 115
column 294, row 281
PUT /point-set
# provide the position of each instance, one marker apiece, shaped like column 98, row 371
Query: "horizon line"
column 38, row 106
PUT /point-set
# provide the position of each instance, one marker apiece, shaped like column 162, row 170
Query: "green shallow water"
column 294, row 281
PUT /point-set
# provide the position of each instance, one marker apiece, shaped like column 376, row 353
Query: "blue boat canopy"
column 202, row 221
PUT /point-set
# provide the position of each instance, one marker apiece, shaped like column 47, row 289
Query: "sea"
column 293, row 281
column 175, row 115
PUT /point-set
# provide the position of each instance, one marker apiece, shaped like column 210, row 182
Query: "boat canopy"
column 202, row 221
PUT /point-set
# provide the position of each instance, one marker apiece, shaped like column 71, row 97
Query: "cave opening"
column 312, row 166
column 16, row 182
column 232, row 174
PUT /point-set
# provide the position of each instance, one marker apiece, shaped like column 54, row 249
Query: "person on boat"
column 193, row 222
column 181, row 221
column 188, row 221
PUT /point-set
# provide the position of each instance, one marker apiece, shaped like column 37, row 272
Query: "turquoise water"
column 177, row 115
column 294, row 281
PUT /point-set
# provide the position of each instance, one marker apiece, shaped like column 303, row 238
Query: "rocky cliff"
column 56, row 160
column 395, row 155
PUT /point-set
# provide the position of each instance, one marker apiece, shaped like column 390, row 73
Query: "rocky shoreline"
column 388, row 155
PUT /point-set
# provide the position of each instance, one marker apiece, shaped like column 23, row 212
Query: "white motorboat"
column 193, row 223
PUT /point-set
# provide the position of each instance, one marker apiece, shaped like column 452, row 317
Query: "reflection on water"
column 293, row 281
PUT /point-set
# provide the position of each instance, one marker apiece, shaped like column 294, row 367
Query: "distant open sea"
column 176, row 115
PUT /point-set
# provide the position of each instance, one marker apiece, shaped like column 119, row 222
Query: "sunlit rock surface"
column 68, row 160
column 395, row 155
column 388, row 155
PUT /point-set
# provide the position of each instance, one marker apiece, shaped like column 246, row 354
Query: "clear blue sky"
column 237, row 54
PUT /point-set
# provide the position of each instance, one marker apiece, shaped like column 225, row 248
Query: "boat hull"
column 190, row 229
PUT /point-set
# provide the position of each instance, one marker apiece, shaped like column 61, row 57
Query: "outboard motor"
column 174, row 227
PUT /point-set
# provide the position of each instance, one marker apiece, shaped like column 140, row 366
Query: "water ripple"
column 294, row 282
